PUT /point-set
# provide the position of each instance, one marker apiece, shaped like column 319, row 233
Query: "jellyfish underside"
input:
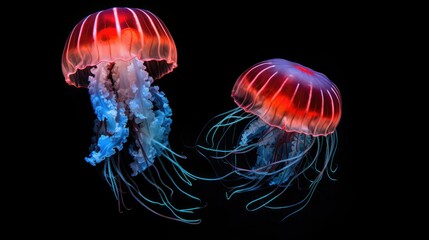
column 285, row 161
column 132, row 113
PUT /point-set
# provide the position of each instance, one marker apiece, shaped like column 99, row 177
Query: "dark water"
column 216, row 42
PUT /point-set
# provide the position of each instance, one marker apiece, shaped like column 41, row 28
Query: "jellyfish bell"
column 290, row 114
column 289, row 96
column 117, row 54
column 118, row 34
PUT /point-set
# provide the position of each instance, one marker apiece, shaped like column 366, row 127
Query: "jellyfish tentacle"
column 151, row 124
column 277, row 160
column 164, row 112
column 110, row 113
column 282, row 157
column 126, row 96
column 143, row 200
column 331, row 143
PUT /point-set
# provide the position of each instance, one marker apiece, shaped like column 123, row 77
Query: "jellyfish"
column 117, row 54
column 280, row 138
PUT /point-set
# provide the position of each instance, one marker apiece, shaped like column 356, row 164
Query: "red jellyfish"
column 117, row 54
column 288, row 114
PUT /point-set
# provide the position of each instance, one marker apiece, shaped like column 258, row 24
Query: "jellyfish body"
column 117, row 54
column 287, row 113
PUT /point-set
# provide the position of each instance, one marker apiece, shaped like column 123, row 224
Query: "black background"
column 216, row 42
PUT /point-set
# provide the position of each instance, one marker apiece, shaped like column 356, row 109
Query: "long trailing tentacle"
column 283, row 159
column 128, row 106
